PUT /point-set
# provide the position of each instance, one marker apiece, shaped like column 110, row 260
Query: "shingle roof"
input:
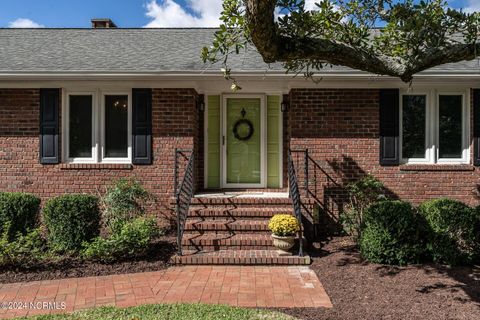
column 132, row 51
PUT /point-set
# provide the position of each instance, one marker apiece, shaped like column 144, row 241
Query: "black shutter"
column 49, row 110
column 389, row 127
column 476, row 127
column 142, row 126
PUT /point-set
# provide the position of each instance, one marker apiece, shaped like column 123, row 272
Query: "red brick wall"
column 175, row 125
column 340, row 127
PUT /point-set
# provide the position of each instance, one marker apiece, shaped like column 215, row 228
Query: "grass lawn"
column 168, row 312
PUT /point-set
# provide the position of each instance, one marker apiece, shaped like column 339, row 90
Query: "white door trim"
column 263, row 137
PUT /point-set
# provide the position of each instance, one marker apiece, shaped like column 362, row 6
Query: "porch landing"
column 231, row 228
column 242, row 195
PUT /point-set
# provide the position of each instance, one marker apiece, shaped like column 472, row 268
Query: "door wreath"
column 243, row 136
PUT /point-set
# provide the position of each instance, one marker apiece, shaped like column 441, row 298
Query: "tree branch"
column 338, row 54
column 438, row 56
column 274, row 47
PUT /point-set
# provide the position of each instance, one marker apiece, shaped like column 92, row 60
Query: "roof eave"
column 195, row 74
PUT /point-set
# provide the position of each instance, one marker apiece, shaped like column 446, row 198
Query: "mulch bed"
column 157, row 259
column 360, row 290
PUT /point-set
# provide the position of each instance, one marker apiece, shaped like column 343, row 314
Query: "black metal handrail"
column 294, row 193
column 183, row 193
column 306, row 158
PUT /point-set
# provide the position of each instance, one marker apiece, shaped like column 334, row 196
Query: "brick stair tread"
column 238, row 212
column 239, row 257
column 237, row 201
column 252, row 201
column 224, row 224
column 212, row 239
column 233, row 230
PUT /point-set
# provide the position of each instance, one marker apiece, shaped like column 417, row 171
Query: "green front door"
column 243, row 142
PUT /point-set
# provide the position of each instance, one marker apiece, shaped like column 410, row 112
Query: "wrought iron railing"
column 183, row 191
column 300, row 162
column 312, row 177
column 321, row 182
column 294, row 193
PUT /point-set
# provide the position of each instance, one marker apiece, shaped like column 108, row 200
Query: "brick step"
column 239, row 257
column 257, row 225
column 207, row 201
column 217, row 241
column 237, row 212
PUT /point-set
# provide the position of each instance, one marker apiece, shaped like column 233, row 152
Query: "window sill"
column 437, row 167
column 96, row 166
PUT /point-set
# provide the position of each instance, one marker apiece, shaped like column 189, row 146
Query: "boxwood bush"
column 71, row 220
column 454, row 232
column 476, row 227
column 392, row 234
column 18, row 213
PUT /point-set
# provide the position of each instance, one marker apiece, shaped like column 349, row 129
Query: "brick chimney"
column 103, row 23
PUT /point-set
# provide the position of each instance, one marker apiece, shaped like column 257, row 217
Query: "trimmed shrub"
column 71, row 220
column 123, row 201
column 28, row 249
column 132, row 240
column 476, row 228
column 18, row 213
column 453, row 237
column 391, row 234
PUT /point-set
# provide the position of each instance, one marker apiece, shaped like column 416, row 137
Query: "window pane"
column 80, row 136
column 116, row 126
column 450, row 127
column 413, row 122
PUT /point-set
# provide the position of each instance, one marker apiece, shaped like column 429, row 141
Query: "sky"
column 128, row 13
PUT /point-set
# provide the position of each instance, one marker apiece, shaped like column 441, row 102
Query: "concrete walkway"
column 248, row 286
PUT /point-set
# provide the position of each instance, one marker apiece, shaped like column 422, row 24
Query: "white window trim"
column 432, row 127
column 465, row 127
column 98, row 127
column 428, row 146
column 128, row 159
column 66, row 131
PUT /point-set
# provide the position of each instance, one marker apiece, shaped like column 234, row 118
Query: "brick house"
column 82, row 107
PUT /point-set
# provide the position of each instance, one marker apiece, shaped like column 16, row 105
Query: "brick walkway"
column 249, row 286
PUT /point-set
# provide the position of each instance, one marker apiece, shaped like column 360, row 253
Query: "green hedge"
column 392, row 234
column 476, row 228
column 18, row 213
column 454, row 235
column 71, row 220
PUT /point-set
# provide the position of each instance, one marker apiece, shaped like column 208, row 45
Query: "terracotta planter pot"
column 283, row 244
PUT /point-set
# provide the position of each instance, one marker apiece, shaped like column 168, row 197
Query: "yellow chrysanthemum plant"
column 284, row 225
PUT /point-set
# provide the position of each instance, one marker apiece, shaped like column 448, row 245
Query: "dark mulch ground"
column 157, row 259
column 359, row 290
